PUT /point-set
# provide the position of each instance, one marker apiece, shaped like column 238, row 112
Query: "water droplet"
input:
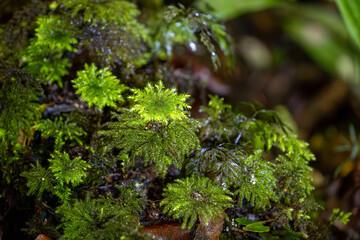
column 171, row 34
column 213, row 53
column 192, row 46
column 252, row 179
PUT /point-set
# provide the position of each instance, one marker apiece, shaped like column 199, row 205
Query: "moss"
column 229, row 163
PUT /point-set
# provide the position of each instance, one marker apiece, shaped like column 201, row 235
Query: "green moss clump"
column 156, row 128
column 98, row 87
column 195, row 196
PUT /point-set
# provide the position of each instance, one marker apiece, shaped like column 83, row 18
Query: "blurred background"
column 299, row 58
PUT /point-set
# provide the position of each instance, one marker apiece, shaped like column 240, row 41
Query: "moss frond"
column 98, row 86
column 257, row 183
column 60, row 129
column 158, row 143
column 44, row 55
column 39, row 180
column 221, row 123
column 123, row 13
column 19, row 110
column 195, row 196
column 224, row 164
column 98, row 219
column 244, row 162
column 178, row 25
column 52, row 34
column 68, row 170
column 157, row 104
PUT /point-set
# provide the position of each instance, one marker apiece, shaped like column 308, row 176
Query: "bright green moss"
column 161, row 144
column 98, row 87
column 44, row 55
column 195, row 196
column 157, row 104
column 53, row 34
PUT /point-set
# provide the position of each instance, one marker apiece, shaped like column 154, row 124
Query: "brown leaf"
column 210, row 230
column 167, row 231
column 42, row 237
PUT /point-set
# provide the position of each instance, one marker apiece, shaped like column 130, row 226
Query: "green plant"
column 103, row 218
column 338, row 215
column 257, row 183
column 62, row 173
column 350, row 13
column 252, row 226
column 98, row 87
column 157, row 104
column 44, row 55
column 68, row 170
column 111, row 29
column 352, row 146
column 122, row 13
column 155, row 128
column 52, row 34
column 262, row 162
column 39, row 180
column 214, row 130
column 19, row 110
column 60, row 129
column 189, row 26
column 233, row 162
column 218, row 161
column 196, row 196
